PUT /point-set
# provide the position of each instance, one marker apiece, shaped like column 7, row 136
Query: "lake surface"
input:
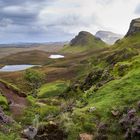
column 12, row 68
column 56, row 56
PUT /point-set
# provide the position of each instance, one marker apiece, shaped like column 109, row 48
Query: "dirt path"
column 16, row 103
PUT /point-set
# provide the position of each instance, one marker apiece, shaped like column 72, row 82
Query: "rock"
column 130, row 123
column 132, row 113
column 4, row 118
column 85, row 136
column 52, row 123
column 49, row 132
column 115, row 112
column 138, row 104
column 120, row 55
column 134, row 27
column 92, row 109
column 102, row 128
column 30, row 132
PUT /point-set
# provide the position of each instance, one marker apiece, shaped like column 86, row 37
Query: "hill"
column 27, row 57
column 84, row 41
column 134, row 27
column 108, row 37
column 93, row 94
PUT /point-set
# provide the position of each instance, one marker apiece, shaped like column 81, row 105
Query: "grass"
column 9, row 85
column 52, row 89
column 121, row 92
column 12, row 136
column 3, row 101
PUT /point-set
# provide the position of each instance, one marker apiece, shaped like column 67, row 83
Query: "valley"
column 88, row 90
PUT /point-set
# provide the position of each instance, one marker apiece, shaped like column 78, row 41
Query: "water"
column 12, row 68
column 56, row 56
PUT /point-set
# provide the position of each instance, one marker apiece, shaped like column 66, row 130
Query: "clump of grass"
column 52, row 89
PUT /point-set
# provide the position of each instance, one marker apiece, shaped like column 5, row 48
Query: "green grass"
column 11, row 136
column 129, row 42
column 52, row 89
column 123, row 91
column 3, row 102
column 11, row 86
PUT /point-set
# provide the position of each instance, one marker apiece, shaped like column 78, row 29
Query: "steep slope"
column 84, row 41
column 110, row 93
column 134, row 27
column 15, row 98
column 108, row 37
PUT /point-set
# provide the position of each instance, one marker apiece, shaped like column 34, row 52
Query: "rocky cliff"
column 85, row 39
column 134, row 27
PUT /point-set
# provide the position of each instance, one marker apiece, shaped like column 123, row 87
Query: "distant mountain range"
column 108, row 37
column 28, row 45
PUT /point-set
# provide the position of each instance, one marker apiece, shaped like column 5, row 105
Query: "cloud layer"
column 60, row 20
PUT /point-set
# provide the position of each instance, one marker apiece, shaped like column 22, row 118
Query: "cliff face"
column 84, row 39
column 134, row 27
column 108, row 37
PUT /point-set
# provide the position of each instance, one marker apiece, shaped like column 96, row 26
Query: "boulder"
column 30, row 132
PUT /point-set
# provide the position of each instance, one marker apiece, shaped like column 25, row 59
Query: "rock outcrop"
column 134, row 27
column 84, row 39
column 108, row 37
column 4, row 119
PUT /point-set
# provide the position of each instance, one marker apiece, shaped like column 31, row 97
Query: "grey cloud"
column 137, row 10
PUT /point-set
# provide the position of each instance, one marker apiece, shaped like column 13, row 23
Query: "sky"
column 61, row 20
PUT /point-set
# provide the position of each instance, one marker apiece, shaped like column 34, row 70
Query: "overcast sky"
column 60, row 20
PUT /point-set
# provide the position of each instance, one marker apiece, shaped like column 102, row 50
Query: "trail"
column 16, row 102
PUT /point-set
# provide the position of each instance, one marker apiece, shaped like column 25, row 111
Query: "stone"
column 30, row 132
column 4, row 118
column 92, row 109
column 115, row 112
column 85, row 136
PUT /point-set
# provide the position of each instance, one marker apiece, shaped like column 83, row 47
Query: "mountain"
column 83, row 42
column 108, row 37
column 85, row 39
column 99, row 87
column 134, row 27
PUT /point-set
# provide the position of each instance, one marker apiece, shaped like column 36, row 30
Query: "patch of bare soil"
column 16, row 103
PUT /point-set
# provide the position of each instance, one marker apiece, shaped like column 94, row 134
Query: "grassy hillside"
column 84, row 41
column 95, row 92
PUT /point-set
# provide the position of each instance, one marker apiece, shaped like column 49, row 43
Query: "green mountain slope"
column 84, row 41
column 101, row 102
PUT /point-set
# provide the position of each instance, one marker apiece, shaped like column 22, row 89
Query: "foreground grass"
column 52, row 89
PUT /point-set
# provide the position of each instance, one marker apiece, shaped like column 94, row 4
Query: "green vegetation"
column 3, row 101
column 108, row 81
column 34, row 79
column 52, row 89
column 84, row 41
